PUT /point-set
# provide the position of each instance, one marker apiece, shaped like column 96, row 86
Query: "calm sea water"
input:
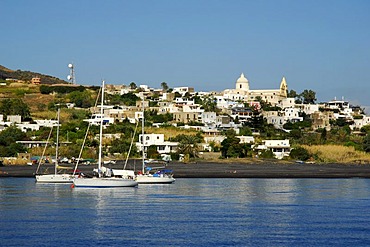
column 191, row 212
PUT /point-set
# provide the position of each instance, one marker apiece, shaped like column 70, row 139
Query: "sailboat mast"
column 57, row 144
column 142, row 134
column 101, row 129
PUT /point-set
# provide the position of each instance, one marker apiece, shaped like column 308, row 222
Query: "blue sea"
column 190, row 212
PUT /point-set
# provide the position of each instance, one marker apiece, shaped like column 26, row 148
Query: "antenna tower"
column 71, row 77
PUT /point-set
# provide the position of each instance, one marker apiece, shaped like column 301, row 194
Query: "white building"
column 97, row 118
column 183, row 90
column 279, row 118
column 47, row 123
column 208, row 117
column 246, row 139
column 359, row 123
column 287, row 103
column 308, row 108
column 223, row 102
column 28, row 127
column 280, row 148
column 243, row 93
column 163, row 147
column 14, row 118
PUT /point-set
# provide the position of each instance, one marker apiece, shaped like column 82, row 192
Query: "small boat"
column 103, row 177
column 145, row 176
column 56, row 177
column 153, row 176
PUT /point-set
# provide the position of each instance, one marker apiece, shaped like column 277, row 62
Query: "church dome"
column 242, row 79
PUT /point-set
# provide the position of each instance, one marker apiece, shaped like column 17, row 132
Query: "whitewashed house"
column 25, row 126
column 163, row 147
column 97, row 118
column 287, row 103
column 183, row 90
column 208, row 117
column 47, row 122
column 14, row 118
column 279, row 118
column 280, row 148
column 359, row 123
column 246, row 139
column 223, row 102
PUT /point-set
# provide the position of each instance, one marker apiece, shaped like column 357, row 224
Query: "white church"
column 244, row 94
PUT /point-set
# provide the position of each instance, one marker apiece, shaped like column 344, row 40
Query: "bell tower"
column 283, row 87
column 242, row 83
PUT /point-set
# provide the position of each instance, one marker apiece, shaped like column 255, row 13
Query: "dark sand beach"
column 206, row 169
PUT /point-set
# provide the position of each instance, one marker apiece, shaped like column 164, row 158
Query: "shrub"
column 267, row 154
column 300, row 153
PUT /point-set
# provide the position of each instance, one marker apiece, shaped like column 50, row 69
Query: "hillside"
column 27, row 76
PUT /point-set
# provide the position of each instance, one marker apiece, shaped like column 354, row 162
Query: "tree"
column 14, row 107
column 210, row 105
column 300, row 153
column 366, row 143
column 245, row 131
column 8, row 138
column 164, row 86
column 152, row 152
column 365, row 129
column 309, row 96
column 292, row 94
column 122, row 145
column 133, row 85
column 231, row 147
column 197, row 99
column 188, row 145
column 129, row 99
column 81, row 99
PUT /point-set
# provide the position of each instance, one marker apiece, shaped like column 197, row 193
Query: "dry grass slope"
column 169, row 132
column 338, row 154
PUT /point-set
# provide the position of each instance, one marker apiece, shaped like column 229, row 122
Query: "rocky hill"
column 26, row 76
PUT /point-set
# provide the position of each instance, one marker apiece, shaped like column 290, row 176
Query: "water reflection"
column 226, row 211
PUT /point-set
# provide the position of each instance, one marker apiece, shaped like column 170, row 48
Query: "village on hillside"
column 265, row 122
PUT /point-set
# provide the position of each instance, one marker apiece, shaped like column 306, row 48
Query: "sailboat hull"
column 54, row 178
column 148, row 179
column 103, row 182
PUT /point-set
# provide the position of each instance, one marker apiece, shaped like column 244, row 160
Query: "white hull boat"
column 104, row 178
column 151, row 179
column 160, row 177
column 103, row 182
column 54, row 178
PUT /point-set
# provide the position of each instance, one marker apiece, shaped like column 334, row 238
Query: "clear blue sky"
column 322, row 45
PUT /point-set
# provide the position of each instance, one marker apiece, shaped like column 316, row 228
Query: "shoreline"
column 208, row 169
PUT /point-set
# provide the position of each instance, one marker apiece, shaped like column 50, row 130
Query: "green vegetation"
column 8, row 138
column 14, row 107
column 128, row 99
column 300, row 153
column 189, row 145
column 232, row 148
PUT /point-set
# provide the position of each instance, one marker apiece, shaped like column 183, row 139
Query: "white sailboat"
column 104, row 178
column 55, row 177
column 146, row 176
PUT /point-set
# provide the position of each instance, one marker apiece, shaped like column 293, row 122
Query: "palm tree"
column 189, row 145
